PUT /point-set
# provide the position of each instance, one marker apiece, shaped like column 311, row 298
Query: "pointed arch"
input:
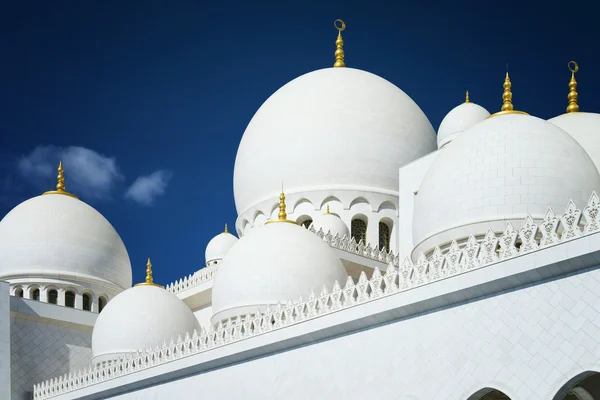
column 359, row 200
column 330, row 199
column 302, row 206
column 387, row 205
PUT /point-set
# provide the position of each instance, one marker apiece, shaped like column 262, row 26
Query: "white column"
column 61, row 297
column 94, row 305
column 43, row 295
column 78, row 301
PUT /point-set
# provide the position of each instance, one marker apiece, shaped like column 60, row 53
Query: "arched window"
column 101, row 303
column 384, row 236
column 19, row 292
column 582, row 387
column 69, row 299
column 53, row 296
column 87, row 304
column 35, row 295
column 359, row 230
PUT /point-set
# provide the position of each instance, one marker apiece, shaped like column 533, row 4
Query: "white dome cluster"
column 58, row 235
column 139, row 318
column 372, row 126
column 500, row 170
column 460, row 119
column 331, row 223
column 218, row 246
column 277, row 262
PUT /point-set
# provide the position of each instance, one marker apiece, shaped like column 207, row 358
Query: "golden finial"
column 149, row 281
column 339, row 44
column 507, row 105
column 467, row 97
column 573, row 106
column 282, row 216
column 327, row 211
column 60, row 184
column 226, row 230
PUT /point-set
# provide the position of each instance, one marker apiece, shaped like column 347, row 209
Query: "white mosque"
column 399, row 264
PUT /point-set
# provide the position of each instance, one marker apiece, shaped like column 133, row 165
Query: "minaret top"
column 60, row 184
column 339, row 44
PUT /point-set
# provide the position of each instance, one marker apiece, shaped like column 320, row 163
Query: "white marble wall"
column 4, row 340
column 526, row 342
column 43, row 347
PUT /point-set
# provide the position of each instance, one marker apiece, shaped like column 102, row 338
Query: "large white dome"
column 500, row 170
column 458, row 120
column 272, row 264
column 335, row 128
column 57, row 235
column 139, row 318
column 585, row 128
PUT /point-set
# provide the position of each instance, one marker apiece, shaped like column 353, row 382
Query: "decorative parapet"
column 492, row 249
column 344, row 243
column 351, row 246
column 204, row 275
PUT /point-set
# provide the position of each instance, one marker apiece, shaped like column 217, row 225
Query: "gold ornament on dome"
column 467, row 97
column 282, row 216
column 149, row 281
column 507, row 105
column 573, row 95
column 339, row 44
column 60, row 185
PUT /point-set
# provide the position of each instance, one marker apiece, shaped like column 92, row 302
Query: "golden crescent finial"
column 467, row 97
column 327, row 211
column 339, row 44
column 573, row 95
column 574, row 68
column 226, row 229
column 60, row 183
column 149, row 280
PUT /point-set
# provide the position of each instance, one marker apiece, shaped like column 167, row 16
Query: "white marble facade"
column 386, row 268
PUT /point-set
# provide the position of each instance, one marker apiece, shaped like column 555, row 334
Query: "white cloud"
column 87, row 173
column 147, row 188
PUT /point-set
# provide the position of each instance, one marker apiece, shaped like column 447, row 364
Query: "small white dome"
column 272, row 264
column 218, row 246
column 585, row 128
column 331, row 223
column 458, row 120
column 139, row 318
column 58, row 235
column 374, row 127
column 500, row 170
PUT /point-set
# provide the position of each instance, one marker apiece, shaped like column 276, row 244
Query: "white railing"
column 204, row 275
column 552, row 230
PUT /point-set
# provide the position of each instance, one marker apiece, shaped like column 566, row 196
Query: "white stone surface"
column 218, row 247
column 5, row 362
column 57, row 235
column 500, row 170
column 203, row 316
column 139, row 318
column 269, row 265
column 410, row 178
column 585, row 128
column 458, row 120
column 527, row 342
column 46, row 341
column 335, row 128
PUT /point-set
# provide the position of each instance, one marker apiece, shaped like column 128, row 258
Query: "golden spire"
column 573, row 106
column 226, row 230
column 507, row 105
column 60, row 184
column 339, row 44
column 467, row 97
column 282, row 216
column 327, row 211
column 149, row 281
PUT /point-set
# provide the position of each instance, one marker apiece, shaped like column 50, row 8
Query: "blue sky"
column 149, row 99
